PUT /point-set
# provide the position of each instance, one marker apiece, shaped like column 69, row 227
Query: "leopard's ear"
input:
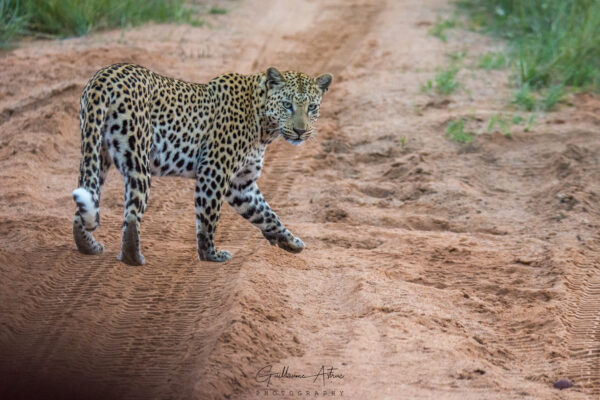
column 274, row 78
column 324, row 81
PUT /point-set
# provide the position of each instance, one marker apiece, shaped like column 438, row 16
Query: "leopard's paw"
column 291, row 244
column 130, row 248
column 215, row 255
column 84, row 239
column 135, row 258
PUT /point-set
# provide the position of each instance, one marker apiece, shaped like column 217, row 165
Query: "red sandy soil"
column 433, row 270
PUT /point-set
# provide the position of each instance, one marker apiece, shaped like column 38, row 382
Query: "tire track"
column 44, row 97
column 583, row 325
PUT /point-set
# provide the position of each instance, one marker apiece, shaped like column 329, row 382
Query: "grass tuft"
column 530, row 122
column 444, row 82
column 553, row 95
column 61, row 18
column 456, row 132
column 217, row 10
column 545, row 100
column 439, row 28
column 525, row 98
column 493, row 60
column 554, row 42
column 13, row 21
column 505, row 125
column 457, row 57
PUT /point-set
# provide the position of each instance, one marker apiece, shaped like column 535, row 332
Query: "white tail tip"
column 87, row 208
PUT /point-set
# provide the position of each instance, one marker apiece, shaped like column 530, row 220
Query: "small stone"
column 563, row 384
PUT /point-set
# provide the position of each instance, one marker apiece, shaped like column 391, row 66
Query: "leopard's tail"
column 88, row 210
column 94, row 108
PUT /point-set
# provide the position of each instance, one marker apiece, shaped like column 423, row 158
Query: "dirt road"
column 432, row 269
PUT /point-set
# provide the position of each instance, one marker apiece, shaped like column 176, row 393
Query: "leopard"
column 217, row 132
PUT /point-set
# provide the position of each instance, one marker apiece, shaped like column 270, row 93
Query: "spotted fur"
column 147, row 124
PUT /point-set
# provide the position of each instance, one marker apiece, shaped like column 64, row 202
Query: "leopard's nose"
column 299, row 131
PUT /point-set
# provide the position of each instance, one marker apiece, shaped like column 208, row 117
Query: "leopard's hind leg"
column 130, row 150
column 88, row 211
column 95, row 162
column 137, row 189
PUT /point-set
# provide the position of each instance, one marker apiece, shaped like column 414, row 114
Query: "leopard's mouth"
column 295, row 142
column 293, row 139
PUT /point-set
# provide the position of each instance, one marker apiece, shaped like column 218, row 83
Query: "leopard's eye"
column 312, row 107
column 287, row 105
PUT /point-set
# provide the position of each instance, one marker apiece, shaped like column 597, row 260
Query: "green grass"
column 544, row 99
column 505, row 125
column 493, row 60
column 554, row 43
column 13, row 21
column 61, row 18
column 517, row 119
column 217, row 10
column 529, row 125
column 457, row 57
column 553, row 95
column 456, row 132
column 525, row 98
column 444, row 82
column 439, row 28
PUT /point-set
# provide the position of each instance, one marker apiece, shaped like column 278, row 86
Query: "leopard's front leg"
column 211, row 185
column 245, row 197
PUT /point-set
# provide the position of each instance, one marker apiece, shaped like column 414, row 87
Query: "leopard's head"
column 293, row 102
